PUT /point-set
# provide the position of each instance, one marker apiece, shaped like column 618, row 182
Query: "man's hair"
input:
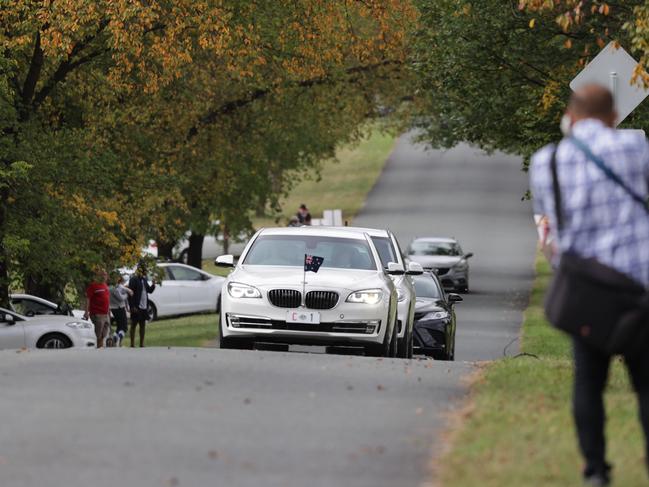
column 302, row 206
column 592, row 101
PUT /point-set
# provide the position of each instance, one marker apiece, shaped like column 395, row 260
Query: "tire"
column 394, row 342
column 404, row 349
column 152, row 311
column 218, row 305
column 54, row 341
column 411, row 347
column 382, row 350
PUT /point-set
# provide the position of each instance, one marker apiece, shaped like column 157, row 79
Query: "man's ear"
column 613, row 119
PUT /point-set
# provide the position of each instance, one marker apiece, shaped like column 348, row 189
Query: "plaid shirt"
column 601, row 220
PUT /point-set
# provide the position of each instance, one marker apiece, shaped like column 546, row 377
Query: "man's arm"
column 87, row 313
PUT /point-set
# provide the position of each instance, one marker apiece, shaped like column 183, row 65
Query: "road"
column 186, row 417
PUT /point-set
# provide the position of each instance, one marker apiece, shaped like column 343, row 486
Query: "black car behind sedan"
column 434, row 330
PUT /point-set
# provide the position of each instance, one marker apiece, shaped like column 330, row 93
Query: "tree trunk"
column 4, row 258
column 165, row 250
column 36, row 287
column 226, row 240
column 195, row 252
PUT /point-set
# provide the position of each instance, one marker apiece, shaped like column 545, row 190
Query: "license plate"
column 302, row 316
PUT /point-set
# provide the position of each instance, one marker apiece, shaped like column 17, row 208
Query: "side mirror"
column 224, row 261
column 415, row 269
column 395, row 269
column 469, row 255
column 8, row 319
column 454, row 298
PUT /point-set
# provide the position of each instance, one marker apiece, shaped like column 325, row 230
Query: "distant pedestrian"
column 97, row 306
column 592, row 186
column 303, row 215
column 119, row 294
column 294, row 222
column 139, row 301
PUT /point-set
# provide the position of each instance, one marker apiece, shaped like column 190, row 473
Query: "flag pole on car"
column 312, row 263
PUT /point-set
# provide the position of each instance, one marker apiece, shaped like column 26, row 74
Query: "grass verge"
column 519, row 431
column 187, row 331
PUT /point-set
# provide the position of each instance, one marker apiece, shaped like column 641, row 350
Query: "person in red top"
column 98, row 306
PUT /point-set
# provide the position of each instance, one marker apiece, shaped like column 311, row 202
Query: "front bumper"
column 346, row 324
column 451, row 278
column 430, row 336
column 83, row 338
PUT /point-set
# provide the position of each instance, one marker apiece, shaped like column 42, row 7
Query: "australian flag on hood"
column 312, row 263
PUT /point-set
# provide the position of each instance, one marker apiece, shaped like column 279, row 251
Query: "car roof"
column 435, row 239
column 31, row 296
column 372, row 232
column 321, row 231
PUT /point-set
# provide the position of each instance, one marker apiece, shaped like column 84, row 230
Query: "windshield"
column 435, row 248
column 385, row 250
column 289, row 250
column 426, row 287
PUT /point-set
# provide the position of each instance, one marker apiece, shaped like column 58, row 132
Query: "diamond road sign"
column 613, row 68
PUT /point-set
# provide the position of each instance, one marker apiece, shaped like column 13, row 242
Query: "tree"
column 108, row 108
column 497, row 76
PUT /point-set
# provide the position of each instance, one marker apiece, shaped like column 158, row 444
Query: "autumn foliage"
column 125, row 120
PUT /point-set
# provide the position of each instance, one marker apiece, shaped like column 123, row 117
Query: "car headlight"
column 401, row 296
column 367, row 296
column 435, row 315
column 238, row 290
column 461, row 266
column 77, row 325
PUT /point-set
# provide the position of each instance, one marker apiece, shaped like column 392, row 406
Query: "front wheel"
column 54, row 340
column 152, row 311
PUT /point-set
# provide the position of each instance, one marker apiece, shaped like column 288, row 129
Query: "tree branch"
column 213, row 115
column 35, row 67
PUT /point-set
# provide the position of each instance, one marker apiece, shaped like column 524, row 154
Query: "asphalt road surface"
column 185, row 417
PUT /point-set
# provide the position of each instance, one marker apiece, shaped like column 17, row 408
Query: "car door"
column 193, row 288
column 166, row 296
column 12, row 331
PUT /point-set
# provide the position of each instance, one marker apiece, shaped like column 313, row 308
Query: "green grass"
column 345, row 181
column 518, row 430
column 188, row 331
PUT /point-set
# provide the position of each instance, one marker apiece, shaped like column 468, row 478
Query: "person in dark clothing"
column 139, row 302
column 603, row 222
column 303, row 215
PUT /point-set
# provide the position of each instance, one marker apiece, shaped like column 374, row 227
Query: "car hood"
column 269, row 277
column 436, row 260
column 428, row 305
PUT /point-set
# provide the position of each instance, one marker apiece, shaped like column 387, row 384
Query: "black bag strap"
column 608, row 171
column 556, row 189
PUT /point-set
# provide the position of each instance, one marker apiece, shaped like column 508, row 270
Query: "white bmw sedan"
column 269, row 297
column 44, row 331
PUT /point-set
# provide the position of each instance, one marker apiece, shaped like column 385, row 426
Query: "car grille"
column 285, row 298
column 321, row 299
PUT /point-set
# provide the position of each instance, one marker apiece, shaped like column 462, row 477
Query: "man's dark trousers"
column 591, row 374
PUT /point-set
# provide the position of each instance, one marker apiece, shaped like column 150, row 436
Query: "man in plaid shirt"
column 602, row 221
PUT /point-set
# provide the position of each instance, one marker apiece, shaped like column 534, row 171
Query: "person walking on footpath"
column 593, row 187
column 139, row 301
column 119, row 294
column 98, row 307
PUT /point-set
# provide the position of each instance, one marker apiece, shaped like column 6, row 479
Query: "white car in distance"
column 350, row 301
column 44, row 331
column 183, row 290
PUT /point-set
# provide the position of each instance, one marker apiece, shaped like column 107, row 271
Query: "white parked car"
column 350, row 301
column 389, row 251
column 183, row 290
column 44, row 331
column 28, row 305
